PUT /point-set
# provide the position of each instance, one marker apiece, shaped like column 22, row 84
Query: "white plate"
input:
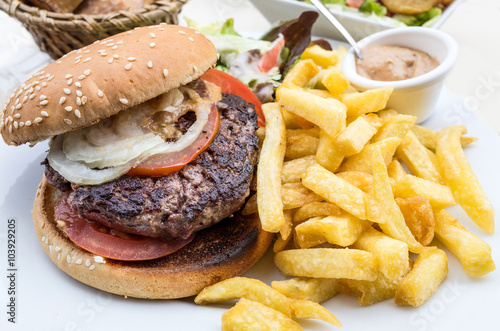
column 358, row 26
column 48, row 299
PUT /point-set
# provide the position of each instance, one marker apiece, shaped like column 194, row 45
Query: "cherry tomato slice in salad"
column 232, row 85
column 167, row 163
column 101, row 241
column 270, row 58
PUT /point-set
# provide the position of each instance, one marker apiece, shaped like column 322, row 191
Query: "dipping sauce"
column 390, row 63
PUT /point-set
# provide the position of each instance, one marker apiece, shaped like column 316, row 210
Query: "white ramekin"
column 415, row 96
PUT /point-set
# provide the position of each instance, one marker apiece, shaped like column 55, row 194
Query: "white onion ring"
column 79, row 173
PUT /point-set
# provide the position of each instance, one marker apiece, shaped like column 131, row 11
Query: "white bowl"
column 415, row 96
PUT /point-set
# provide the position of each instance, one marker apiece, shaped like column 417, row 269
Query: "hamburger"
column 148, row 166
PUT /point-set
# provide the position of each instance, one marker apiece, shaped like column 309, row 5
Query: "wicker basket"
column 58, row 34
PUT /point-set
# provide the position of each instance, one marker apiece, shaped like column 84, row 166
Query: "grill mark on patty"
column 210, row 188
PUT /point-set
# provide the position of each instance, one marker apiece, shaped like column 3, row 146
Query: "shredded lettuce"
column 370, row 6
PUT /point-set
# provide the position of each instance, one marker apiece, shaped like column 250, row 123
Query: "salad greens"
column 259, row 63
column 374, row 10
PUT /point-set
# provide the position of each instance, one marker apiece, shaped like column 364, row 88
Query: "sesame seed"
column 124, row 101
column 150, row 64
column 50, row 78
column 116, row 56
column 43, row 238
column 59, row 257
column 51, row 248
column 69, row 108
column 152, row 35
column 58, row 62
column 79, row 261
column 37, row 88
column 28, row 123
column 36, row 120
column 44, row 113
column 62, row 100
column 78, row 101
column 87, row 59
column 43, row 97
column 78, row 113
column 68, row 121
column 21, row 124
column 131, row 59
column 25, row 98
column 110, row 44
column 67, row 91
column 191, row 39
column 99, row 259
column 16, row 125
column 44, row 102
column 57, row 249
column 197, row 32
column 165, row 72
column 86, row 72
column 114, row 47
column 70, row 81
column 77, row 61
column 78, row 84
column 182, row 32
column 79, row 93
column 104, row 54
column 110, row 60
column 152, row 45
column 78, row 57
column 68, row 76
column 84, row 100
column 100, row 94
column 119, row 42
column 128, row 66
column 17, row 115
column 44, row 84
column 86, row 51
column 10, row 128
column 81, row 77
column 87, row 263
column 68, row 258
column 92, row 267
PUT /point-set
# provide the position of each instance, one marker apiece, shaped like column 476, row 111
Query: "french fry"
column 314, row 209
column 473, row 252
column 301, row 73
column 394, row 224
column 360, row 179
column 328, row 114
column 327, row 154
column 409, row 186
column 322, row 57
column 301, row 145
column 248, row 288
column 342, row 230
column 327, row 263
column 251, row 315
column 396, row 126
column 295, row 195
column 312, row 289
column 334, row 81
column 293, row 169
column 286, row 230
column 369, row 292
column 336, row 190
column 269, row 170
column 419, row 160
column 419, row 218
column 313, row 132
column 395, row 170
column 391, row 254
column 308, row 309
column 354, row 137
column 429, row 271
column 366, row 102
column 428, row 137
column 363, row 160
column 461, row 179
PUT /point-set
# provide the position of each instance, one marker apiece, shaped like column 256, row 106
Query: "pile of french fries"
column 354, row 192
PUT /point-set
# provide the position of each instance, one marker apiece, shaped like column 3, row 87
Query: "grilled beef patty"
column 210, row 188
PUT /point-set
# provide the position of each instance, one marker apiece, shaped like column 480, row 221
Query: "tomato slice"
column 101, row 241
column 270, row 58
column 232, row 85
column 354, row 3
column 167, row 163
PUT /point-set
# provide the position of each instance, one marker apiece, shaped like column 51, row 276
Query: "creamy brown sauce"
column 390, row 63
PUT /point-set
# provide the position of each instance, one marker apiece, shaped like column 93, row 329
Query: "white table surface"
column 49, row 300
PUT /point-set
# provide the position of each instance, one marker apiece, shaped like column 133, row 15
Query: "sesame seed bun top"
column 100, row 80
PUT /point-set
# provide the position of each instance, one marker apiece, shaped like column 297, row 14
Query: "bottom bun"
column 224, row 250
